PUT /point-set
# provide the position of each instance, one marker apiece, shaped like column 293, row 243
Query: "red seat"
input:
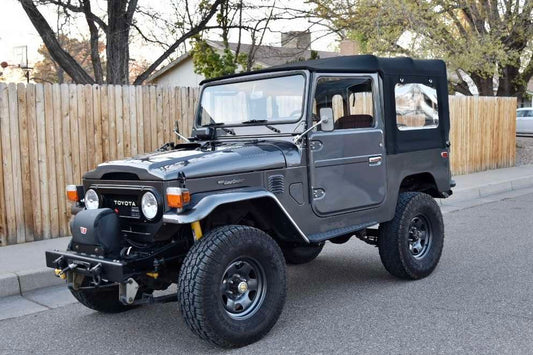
column 354, row 121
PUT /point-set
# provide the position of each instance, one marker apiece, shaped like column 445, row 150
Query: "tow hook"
column 127, row 291
column 59, row 273
column 62, row 273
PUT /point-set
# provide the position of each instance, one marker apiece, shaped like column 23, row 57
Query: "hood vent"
column 276, row 184
column 120, row 176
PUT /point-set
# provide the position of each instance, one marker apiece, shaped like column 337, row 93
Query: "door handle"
column 375, row 161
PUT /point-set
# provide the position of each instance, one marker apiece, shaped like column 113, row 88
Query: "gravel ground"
column 524, row 150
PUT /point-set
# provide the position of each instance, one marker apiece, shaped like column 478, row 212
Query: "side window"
column 416, row 106
column 349, row 98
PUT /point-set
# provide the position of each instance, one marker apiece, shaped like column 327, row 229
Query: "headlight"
column 149, row 205
column 92, row 201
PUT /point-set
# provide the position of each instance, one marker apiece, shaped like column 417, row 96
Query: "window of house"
column 349, row 98
column 416, row 106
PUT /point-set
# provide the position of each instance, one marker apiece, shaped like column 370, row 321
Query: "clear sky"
column 17, row 30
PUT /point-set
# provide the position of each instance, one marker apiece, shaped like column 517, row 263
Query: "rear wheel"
column 232, row 286
column 411, row 244
column 302, row 254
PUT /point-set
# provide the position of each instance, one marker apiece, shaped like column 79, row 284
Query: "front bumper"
column 106, row 269
column 165, row 259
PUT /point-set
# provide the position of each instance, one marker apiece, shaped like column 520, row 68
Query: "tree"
column 115, row 25
column 48, row 70
column 207, row 61
column 487, row 42
column 245, row 18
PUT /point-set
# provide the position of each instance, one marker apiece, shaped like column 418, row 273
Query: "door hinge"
column 318, row 193
column 315, row 145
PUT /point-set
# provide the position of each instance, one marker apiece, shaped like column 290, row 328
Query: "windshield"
column 273, row 100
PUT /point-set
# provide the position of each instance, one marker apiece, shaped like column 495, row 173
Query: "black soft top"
column 360, row 64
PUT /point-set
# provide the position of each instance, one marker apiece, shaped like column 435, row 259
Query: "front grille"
column 124, row 205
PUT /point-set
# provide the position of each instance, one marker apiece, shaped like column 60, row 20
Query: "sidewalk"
column 22, row 266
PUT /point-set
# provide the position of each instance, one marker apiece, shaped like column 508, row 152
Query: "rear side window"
column 524, row 113
column 416, row 106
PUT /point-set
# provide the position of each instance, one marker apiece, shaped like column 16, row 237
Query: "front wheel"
column 411, row 244
column 102, row 299
column 232, row 286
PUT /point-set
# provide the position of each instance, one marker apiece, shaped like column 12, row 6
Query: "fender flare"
column 204, row 204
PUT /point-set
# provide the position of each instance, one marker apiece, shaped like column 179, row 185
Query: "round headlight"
column 149, row 205
column 92, row 201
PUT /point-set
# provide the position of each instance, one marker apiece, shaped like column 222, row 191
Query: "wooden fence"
column 51, row 134
column 483, row 133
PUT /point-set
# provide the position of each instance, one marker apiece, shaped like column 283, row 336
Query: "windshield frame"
column 253, row 77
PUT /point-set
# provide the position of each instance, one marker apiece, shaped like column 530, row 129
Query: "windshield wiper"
column 274, row 129
column 220, row 125
column 254, row 121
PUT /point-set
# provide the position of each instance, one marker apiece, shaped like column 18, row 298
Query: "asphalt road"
column 479, row 300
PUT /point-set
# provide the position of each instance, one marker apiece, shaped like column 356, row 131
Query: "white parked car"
column 524, row 120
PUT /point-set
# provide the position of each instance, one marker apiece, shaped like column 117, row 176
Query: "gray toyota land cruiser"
column 279, row 162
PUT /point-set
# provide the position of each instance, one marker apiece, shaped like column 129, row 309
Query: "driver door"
column 348, row 164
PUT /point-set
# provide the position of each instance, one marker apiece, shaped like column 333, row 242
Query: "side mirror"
column 326, row 119
column 177, row 132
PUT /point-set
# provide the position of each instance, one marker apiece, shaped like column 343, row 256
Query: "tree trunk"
column 484, row 85
column 60, row 75
column 95, row 53
column 509, row 77
column 118, row 34
column 65, row 60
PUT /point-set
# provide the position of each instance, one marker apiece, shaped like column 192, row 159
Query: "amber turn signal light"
column 72, row 193
column 178, row 197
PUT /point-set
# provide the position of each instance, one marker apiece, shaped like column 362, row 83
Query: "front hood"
column 227, row 158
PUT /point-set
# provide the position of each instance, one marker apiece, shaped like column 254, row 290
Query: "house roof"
column 265, row 56
column 169, row 66
column 272, row 55
column 363, row 64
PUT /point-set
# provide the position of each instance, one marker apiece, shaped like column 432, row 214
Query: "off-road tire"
column 200, row 280
column 394, row 242
column 302, row 254
column 104, row 300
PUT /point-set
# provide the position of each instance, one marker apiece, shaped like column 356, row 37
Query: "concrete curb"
column 461, row 195
column 9, row 285
column 30, row 280
column 21, row 282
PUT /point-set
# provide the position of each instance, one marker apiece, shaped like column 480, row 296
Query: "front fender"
column 203, row 205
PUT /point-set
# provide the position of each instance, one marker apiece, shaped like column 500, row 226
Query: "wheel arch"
column 420, row 182
column 256, row 208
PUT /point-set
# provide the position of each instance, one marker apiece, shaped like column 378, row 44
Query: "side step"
column 320, row 237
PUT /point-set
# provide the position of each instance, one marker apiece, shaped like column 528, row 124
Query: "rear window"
column 416, row 106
